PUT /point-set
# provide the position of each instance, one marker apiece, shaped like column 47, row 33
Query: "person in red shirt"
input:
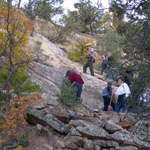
column 76, row 81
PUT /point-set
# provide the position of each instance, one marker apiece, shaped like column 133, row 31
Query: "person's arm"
column 71, row 78
column 127, row 90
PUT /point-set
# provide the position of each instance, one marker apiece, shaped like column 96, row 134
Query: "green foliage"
column 118, row 8
column 45, row 9
column 86, row 19
column 136, row 33
column 79, row 52
column 62, row 33
column 71, row 21
column 3, row 3
column 67, row 94
column 24, row 141
column 111, row 42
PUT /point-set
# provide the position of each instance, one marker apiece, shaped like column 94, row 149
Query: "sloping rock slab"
column 112, row 127
column 35, row 117
column 92, row 132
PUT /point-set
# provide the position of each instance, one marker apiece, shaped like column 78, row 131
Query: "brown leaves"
column 15, row 122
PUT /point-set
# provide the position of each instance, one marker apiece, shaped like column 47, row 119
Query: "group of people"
column 122, row 92
column 108, row 64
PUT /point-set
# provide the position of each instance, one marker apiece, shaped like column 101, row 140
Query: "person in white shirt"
column 122, row 91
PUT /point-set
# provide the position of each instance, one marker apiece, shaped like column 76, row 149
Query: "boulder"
column 92, row 132
column 112, row 127
column 112, row 144
column 100, row 143
column 88, row 144
column 35, row 117
column 128, row 148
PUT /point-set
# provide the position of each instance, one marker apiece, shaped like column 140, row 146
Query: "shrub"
column 67, row 94
column 79, row 52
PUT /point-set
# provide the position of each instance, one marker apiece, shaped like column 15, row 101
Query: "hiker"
column 104, row 64
column 91, row 60
column 76, row 81
column 111, row 68
column 127, row 73
column 65, row 82
column 122, row 91
column 107, row 96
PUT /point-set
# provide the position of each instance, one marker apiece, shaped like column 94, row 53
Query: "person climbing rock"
column 107, row 96
column 76, row 81
column 90, row 57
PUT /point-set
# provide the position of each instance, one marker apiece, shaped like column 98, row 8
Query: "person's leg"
column 113, row 105
column 123, row 105
column 106, row 103
column 79, row 89
column 118, row 106
column 110, row 76
column 85, row 67
column 91, row 68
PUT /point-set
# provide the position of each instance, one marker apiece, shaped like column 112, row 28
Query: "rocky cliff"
column 52, row 66
column 82, row 127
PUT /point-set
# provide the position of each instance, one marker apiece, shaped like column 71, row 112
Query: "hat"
column 88, row 45
column 109, row 83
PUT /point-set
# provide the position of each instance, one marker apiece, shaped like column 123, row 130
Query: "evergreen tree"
column 86, row 18
column 45, row 9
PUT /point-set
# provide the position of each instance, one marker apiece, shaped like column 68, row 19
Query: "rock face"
column 51, row 68
column 49, row 30
column 60, row 127
column 84, row 133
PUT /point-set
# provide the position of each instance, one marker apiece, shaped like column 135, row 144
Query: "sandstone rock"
column 49, row 29
column 61, row 114
column 125, row 125
column 76, row 123
column 128, row 148
column 113, row 116
column 74, row 132
column 59, row 144
column 122, row 135
column 112, row 149
column 92, row 131
column 112, row 144
column 50, row 70
column 71, row 145
column 56, row 124
column 88, row 144
column 38, row 129
column 74, row 140
column 35, row 117
column 100, row 143
column 112, row 127
column 81, row 148
column 96, row 147
column 47, row 147
column 86, row 121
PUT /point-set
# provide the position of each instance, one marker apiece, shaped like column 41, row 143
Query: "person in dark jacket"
column 104, row 64
column 76, row 81
column 127, row 73
column 107, row 96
